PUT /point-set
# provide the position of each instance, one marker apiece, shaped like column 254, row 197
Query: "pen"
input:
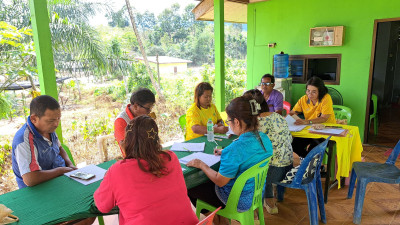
column 187, row 149
column 332, row 127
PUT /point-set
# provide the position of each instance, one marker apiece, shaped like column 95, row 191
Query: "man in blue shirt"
column 37, row 155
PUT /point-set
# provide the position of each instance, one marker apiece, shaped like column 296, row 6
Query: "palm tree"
column 142, row 50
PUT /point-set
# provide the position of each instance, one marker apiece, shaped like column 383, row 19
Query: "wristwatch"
column 309, row 122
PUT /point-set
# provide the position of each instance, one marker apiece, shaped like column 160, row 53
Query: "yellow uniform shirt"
column 311, row 111
column 196, row 116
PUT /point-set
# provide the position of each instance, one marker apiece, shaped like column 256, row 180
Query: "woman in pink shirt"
column 147, row 185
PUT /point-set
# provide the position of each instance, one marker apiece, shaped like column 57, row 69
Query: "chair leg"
column 100, row 220
column 353, row 179
column 311, row 193
column 321, row 203
column 261, row 215
column 358, row 205
column 280, row 192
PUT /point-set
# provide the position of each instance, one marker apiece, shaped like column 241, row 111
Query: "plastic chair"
column 68, row 153
column 287, row 107
column 257, row 172
column 374, row 115
column 182, row 122
column 337, row 98
column 100, row 218
column 342, row 112
column 209, row 219
column 365, row 172
column 311, row 185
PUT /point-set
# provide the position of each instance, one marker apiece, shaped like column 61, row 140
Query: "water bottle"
column 210, row 131
column 281, row 65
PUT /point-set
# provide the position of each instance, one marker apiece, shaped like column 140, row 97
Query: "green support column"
column 44, row 51
column 219, row 54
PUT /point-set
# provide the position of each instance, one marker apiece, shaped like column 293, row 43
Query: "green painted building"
column 288, row 23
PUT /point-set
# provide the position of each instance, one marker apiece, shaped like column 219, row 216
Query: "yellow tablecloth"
column 348, row 149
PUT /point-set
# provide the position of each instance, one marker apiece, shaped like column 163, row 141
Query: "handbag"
column 5, row 215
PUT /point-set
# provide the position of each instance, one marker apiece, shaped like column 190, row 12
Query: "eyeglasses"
column 146, row 108
column 227, row 121
column 266, row 83
column 311, row 92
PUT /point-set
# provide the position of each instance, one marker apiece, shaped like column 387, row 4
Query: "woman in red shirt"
column 148, row 184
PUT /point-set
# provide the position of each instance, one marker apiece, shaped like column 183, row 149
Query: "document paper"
column 292, row 127
column 188, row 147
column 206, row 158
column 93, row 169
column 332, row 131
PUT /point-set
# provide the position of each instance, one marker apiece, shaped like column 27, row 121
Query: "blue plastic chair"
column 365, row 172
column 311, row 185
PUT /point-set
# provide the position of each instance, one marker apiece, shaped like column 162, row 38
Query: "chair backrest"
column 287, row 107
column 337, row 98
column 342, row 112
column 394, row 155
column 258, row 172
column 209, row 219
column 313, row 162
column 68, row 153
column 374, row 99
column 182, row 122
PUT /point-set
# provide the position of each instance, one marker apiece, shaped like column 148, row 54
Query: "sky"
column 155, row 6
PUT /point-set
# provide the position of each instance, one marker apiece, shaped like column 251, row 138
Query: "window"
column 326, row 67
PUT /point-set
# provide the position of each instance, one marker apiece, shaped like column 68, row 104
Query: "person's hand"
column 221, row 129
column 197, row 163
column 217, row 151
column 301, row 122
column 220, row 124
column 69, row 164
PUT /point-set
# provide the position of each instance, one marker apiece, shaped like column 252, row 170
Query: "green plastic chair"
column 257, row 172
column 99, row 218
column 68, row 153
column 374, row 115
column 342, row 112
column 182, row 122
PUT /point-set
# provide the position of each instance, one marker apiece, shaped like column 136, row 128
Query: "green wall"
column 288, row 23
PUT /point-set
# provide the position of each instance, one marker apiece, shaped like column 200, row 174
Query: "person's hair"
column 142, row 96
column 199, row 91
column 143, row 143
column 319, row 84
column 259, row 97
column 240, row 108
column 40, row 104
column 268, row 76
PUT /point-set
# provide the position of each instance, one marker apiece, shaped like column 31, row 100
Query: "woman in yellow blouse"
column 200, row 111
column 316, row 105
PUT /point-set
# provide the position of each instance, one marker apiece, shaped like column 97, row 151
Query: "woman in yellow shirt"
column 316, row 105
column 200, row 111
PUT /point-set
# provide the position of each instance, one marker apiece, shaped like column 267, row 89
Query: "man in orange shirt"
column 141, row 103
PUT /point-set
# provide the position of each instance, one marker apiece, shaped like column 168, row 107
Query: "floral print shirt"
column 277, row 129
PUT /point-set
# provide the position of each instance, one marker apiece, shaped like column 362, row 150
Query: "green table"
column 62, row 199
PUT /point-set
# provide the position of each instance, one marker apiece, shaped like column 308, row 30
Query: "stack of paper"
column 206, row 158
column 292, row 127
column 188, row 147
